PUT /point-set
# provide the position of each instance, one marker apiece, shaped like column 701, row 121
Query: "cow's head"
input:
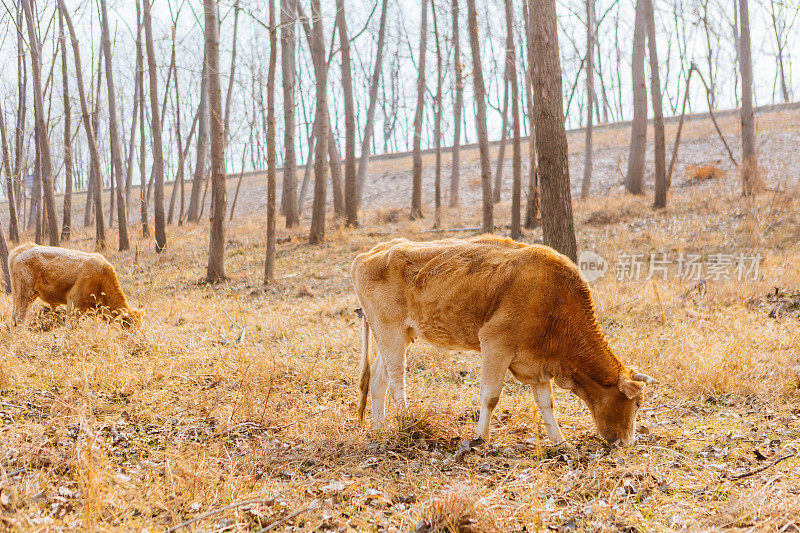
column 132, row 317
column 614, row 407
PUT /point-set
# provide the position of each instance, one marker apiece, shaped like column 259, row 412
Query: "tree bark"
column 659, row 150
column 13, row 229
column 132, row 137
column 350, row 184
column 437, row 127
column 22, row 84
column 336, row 171
column 634, row 179
column 587, row 150
column 551, row 136
column 192, row 213
column 215, row 271
column 142, row 115
column 4, row 261
column 363, row 162
column 317, row 232
column 100, row 229
column 155, row 119
column 516, row 150
column 480, row 102
column 501, row 151
column 750, row 177
column 232, row 76
column 269, row 263
column 116, row 147
column 416, row 192
column 42, row 131
column 532, row 203
column 289, row 196
column 458, row 104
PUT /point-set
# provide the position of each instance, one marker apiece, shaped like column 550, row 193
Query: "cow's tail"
column 363, row 367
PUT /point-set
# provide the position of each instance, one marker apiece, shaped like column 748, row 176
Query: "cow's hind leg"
column 543, row 393
column 392, row 344
column 23, row 298
column 378, row 386
column 495, row 359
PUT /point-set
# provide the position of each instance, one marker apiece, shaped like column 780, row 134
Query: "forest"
column 232, row 165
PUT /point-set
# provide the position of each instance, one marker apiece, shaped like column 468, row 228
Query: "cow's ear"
column 630, row 388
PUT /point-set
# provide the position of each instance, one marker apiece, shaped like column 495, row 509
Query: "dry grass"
column 244, row 394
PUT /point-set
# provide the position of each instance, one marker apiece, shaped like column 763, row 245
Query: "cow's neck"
column 588, row 354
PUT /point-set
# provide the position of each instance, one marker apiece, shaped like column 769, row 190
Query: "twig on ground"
column 761, row 469
column 216, row 511
column 288, row 517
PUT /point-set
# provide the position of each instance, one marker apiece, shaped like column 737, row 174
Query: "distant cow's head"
column 614, row 407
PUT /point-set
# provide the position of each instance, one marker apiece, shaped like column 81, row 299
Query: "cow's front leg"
column 494, row 363
column 543, row 393
column 392, row 344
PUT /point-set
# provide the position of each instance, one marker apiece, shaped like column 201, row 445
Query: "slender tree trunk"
column 116, row 147
column 480, row 101
column 350, row 184
column 289, row 196
column 269, row 263
column 100, row 229
column 307, row 171
column 232, row 76
column 317, row 232
column 416, row 193
column 532, row 203
column 551, row 137
column 90, row 208
column 132, row 138
column 336, row 171
column 634, row 180
column 22, row 84
column 516, row 150
column 179, row 139
column 658, row 113
column 158, row 153
column 142, row 112
column 363, row 162
column 458, row 104
column 587, row 150
column 750, row 175
column 216, row 249
column 13, row 229
column 437, row 127
column 42, row 131
column 4, row 261
column 192, row 213
column 501, row 152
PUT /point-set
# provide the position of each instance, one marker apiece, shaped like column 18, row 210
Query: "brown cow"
column 524, row 307
column 79, row 280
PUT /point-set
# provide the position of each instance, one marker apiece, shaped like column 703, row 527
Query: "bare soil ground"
column 234, row 406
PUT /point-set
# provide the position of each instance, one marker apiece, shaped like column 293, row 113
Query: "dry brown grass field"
column 234, row 406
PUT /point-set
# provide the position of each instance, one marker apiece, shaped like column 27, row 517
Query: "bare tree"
column 532, row 203
column 634, row 179
column 89, row 207
column 232, row 76
column 215, row 271
column 19, row 141
column 587, row 150
column 660, row 153
column 42, row 131
column 66, row 217
column 750, row 178
column 100, row 229
column 416, row 192
column 193, row 211
column 142, row 116
column 458, row 104
column 289, row 196
column 13, row 229
column 501, row 151
column 269, row 263
column 350, row 183
column 551, row 136
column 4, row 261
column 155, row 120
column 317, row 232
column 511, row 73
column 116, row 148
column 363, row 162
column 437, row 124
column 480, row 103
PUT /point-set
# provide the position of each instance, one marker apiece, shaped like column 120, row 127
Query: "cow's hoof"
column 466, row 446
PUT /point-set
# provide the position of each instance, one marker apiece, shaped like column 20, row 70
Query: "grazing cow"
column 524, row 307
column 79, row 280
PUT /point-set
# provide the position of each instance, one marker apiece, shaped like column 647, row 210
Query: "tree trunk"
column 4, row 261
column 155, row 119
column 350, row 184
column 363, row 162
column 116, row 148
column 132, row 139
column 750, row 177
column 269, row 263
column 501, row 152
column 90, row 208
column 516, row 150
column 587, row 150
column 416, row 192
column 42, row 131
column 317, row 232
column 458, row 104
column 660, row 153
column 13, row 230
column 289, row 196
column 216, row 249
column 22, row 83
column 232, row 76
column 551, row 137
column 634, row 180
column 179, row 139
column 100, row 229
column 336, row 171
column 142, row 112
column 532, row 203
column 192, row 213
column 480, row 102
